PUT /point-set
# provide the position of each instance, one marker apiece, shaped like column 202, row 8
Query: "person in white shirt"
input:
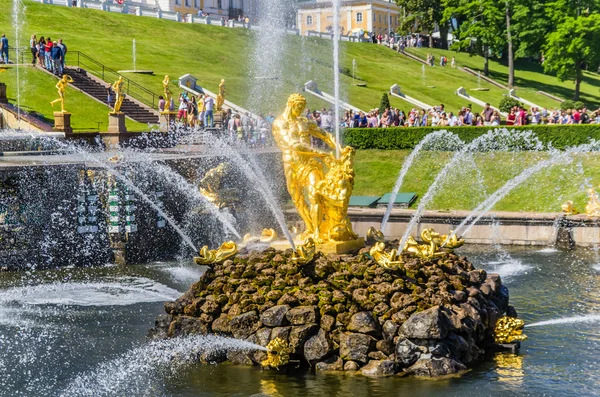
column 452, row 120
column 209, row 103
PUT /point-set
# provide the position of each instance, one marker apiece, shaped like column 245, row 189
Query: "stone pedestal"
column 3, row 98
column 341, row 247
column 116, row 123
column 167, row 119
column 219, row 117
column 62, row 122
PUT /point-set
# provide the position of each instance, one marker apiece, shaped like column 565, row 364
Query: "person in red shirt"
column 48, row 58
column 510, row 119
column 577, row 116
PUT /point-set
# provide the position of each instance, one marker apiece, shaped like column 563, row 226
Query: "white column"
column 349, row 19
column 299, row 25
column 370, row 19
column 318, row 17
column 389, row 24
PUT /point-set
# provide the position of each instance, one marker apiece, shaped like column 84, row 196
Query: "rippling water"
column 82, row 332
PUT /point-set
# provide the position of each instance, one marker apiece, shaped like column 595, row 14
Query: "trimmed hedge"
column 408, row 137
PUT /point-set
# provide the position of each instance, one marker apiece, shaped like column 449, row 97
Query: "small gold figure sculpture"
column 210, row 187
column 508, row 330
column 386, row 259
column 268, row 235
column 321, row 198
column 451, row 241
column 592, row 209
column 305, row 253
column 375, row 236
column 221, row 95
column 61, row 86
column 118, row 89
column 433, row 242
column 278, row 354
column 225, row 251
column 167, row 94
column 568, row 208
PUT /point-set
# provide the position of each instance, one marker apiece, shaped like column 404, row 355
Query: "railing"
column 24, row 55
column 132, row 89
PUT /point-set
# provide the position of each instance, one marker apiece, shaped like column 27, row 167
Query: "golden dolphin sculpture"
column 225, row 251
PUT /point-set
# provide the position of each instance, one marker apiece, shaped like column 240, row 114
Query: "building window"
column 187, row 3
column 374, row 17
column 379, row 18
column 309, row 20
column 177, row 2
column 219, row 4
column 359, row 17
column 197, row 3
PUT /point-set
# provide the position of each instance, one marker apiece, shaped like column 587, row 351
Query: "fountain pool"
column 61, row 326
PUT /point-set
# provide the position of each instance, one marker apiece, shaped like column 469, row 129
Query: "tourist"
column 192, row 112
column 453, row 63
column 487, row 114
column 478, row 120
column 495, row 119
column 231, row 128
column 201, row 110
column 161, row 101
column 182, row 110
column 585, row 118
column 247, row 126
column 4, row 49
column 467, row 117
column 452, row 120
column 56, row 55
column 326, row 121
column 536, row 116
column 48, row 54
column 423, row 117
column 109, row 95
column 41, row 47
column 510, row 119
column 63, row 48
column 33, row 49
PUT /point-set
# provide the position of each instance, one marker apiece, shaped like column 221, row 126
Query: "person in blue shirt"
column 56, row 55
column 4, row 48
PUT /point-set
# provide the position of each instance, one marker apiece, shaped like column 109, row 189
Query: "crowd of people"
column 48, row 54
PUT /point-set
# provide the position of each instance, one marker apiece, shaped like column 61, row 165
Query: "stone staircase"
column 97, row 90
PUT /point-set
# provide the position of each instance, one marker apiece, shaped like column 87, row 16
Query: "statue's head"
column 222, row 81
column 295, row 105
column 166, row 76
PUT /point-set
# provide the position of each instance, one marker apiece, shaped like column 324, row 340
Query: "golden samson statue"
column 320, row 185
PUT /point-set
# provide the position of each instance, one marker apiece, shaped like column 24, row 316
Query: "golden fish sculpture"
column 278, row 354
column 268, row 235
column 224, row 252
column 508, row 330
column 386, row 259
column 375, row 236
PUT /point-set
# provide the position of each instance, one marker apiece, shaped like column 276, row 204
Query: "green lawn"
column 38, row 89
column 212, row 52
column 377, row 170
column 529, row 78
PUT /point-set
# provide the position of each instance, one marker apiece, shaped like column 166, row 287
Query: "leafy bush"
column 408, row 137
column 578, row 105
column 508, row 103
column 568, row 104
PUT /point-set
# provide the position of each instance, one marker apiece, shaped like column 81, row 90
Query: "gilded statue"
column 61, row 86
column 208, row 257
column 268, row 235
column 386, row 259
column 592, row 209
column 118, row 89
column 508, row 330
column 278, row 354
column 433, row 242
column 320, row 185
column 568, row 208
column 211, row 189
column 221, row 95
column 375, row 236
column 167, row 93
column 305, row 253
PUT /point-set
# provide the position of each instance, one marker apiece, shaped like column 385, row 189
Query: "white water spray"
column 588, row 318
column 336, row 73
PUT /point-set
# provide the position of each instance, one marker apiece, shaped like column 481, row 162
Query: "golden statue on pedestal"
column 568, row 208
column 508, row 330
column 118, row 89
column 221, row 95
column 592, row 209
column 320, row 185
column 167, row 93
column 61, row 86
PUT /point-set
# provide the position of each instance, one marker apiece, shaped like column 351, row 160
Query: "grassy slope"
column 39, row 89
column 529, row 78
column 376, row 173
column 211, row 53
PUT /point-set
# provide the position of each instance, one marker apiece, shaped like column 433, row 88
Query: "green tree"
column 385, row 103
column 572, row 48
column 424, row 14
column 481, row 26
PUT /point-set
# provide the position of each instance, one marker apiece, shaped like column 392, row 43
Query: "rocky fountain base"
column 426, row 317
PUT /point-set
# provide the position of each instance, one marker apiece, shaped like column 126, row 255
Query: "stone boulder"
column 379, row 368
column 407, row 353
column 428, row 324
column 435, row 367
column 299, row 335
column 333, row 363
column 275, row 316
column 355, row 347
column 365, row 323
column 302, row 315
column 317, row 347
column 244, row 325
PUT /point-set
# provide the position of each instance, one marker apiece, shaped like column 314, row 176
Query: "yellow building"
column 372, row 16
